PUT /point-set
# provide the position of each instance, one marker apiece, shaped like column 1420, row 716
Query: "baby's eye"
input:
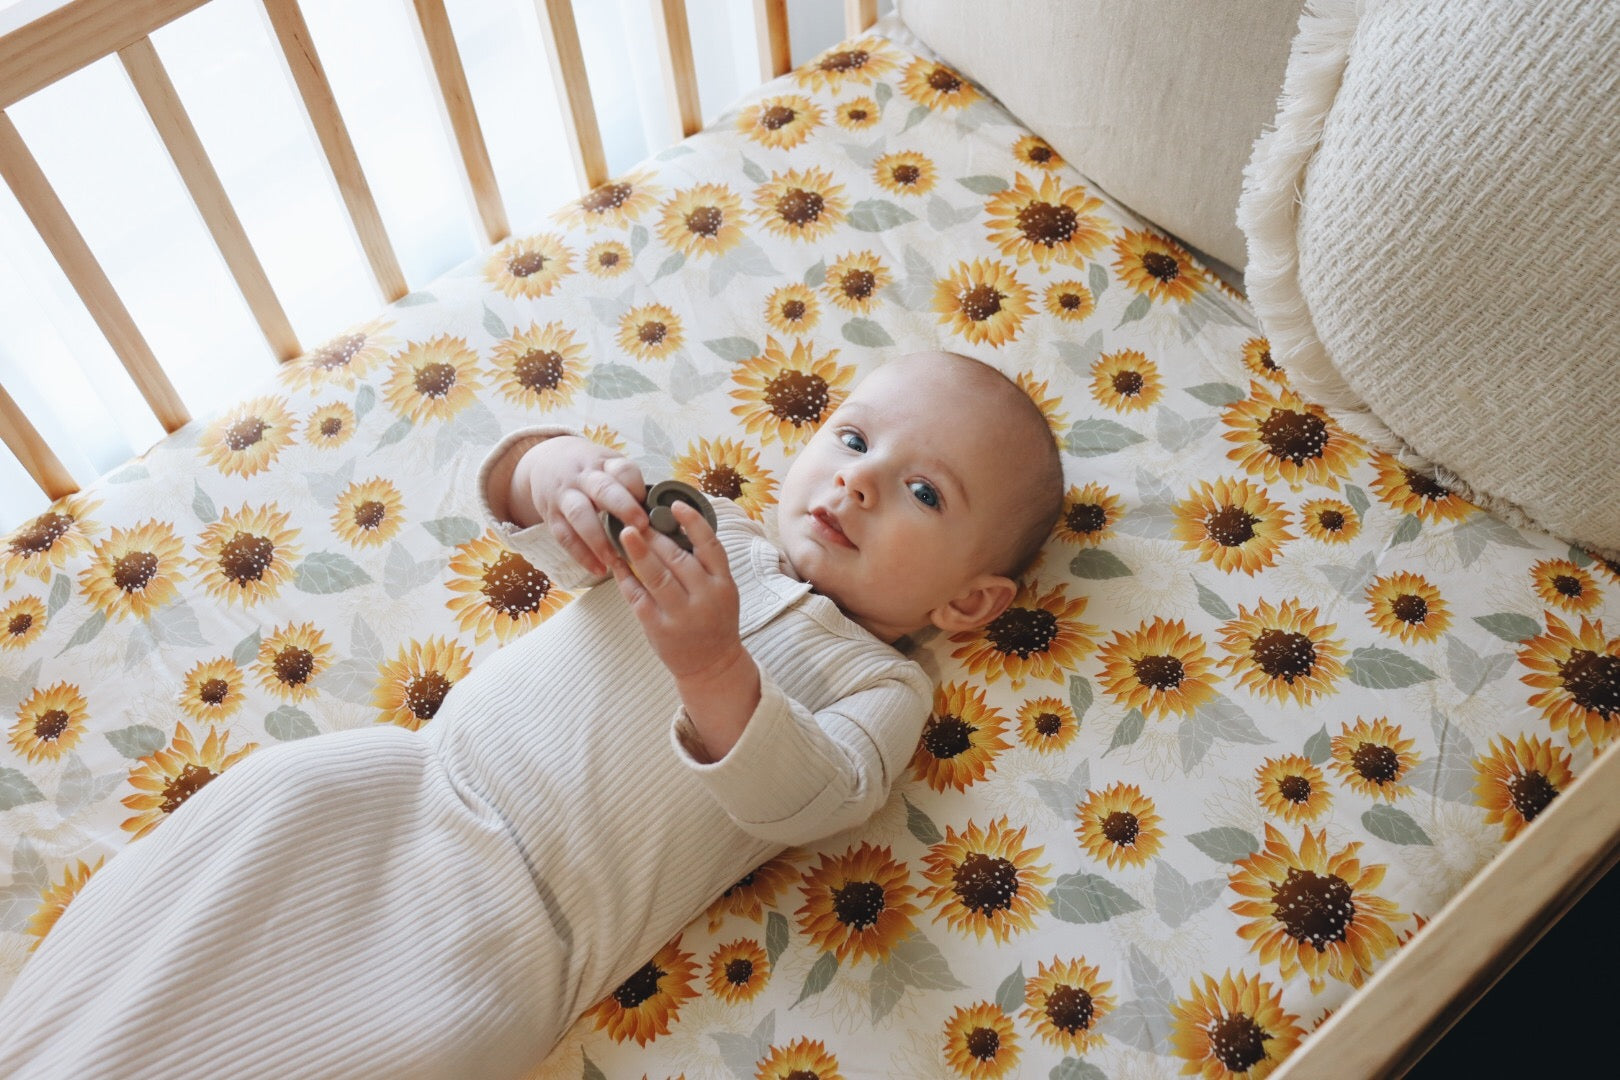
column 925, row 493
column 853, row 440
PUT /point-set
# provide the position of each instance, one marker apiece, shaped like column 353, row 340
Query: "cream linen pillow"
column 1433, row 232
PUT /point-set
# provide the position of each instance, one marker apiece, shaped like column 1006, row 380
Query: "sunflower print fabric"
column 1267, row 699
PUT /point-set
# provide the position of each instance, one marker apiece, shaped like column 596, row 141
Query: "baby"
column 443, row 903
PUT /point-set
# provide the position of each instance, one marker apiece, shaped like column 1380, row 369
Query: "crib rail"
column 79, row 32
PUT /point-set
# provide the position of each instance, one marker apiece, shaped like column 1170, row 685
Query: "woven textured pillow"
column 1432, row 234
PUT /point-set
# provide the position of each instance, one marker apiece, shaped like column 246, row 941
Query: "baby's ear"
column 985, row 597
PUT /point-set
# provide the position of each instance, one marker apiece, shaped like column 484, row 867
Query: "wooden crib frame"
column 1381, row 1031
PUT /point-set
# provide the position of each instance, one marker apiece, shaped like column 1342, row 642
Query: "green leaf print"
column 1407, row 530
column 733, row 349
column 918, row 962
column 1010, row 994
column 983, row 185
column 776, row 936
column 1087, row 898
column 670, row 264
column 817, row 274
column 876, row 215
column 202, row 505
column 1218, row 394
column 1213, row 603
column 1079, row 695
column 61, row 592
column 287, row 722
column 867, row 333
column 753, row 171
column 1318, row 748
column 1395, row 826
column 137, row 740
column 416, row 299
column 452, row 531
column 921, row 825
column 883, row 993
column 1510, row 626
column 1357, row 500
column 1225, row 843
column 1076, row 1069
column 1096, row 438
column 328, row 572
column 246, row 650
column 820, row 977
column 87, row 631
column 396, row 431
column 1136, row 309
column 1128, row 731
column 17, row 790
column 1095, row 564
column 1098, row 280
column 1385, row 669
column 610, row 382
column 915, row 117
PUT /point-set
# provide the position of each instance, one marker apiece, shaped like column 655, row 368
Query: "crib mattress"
column 1266, row 702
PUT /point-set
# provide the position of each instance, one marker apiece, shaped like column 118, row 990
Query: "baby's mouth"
column 826, row 525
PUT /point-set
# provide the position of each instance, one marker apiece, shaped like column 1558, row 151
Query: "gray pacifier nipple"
column 660, row 502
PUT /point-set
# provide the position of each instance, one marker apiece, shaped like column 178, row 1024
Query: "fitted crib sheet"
column 1268, row 699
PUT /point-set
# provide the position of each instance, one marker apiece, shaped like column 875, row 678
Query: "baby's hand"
column 686, row 603
column 569, row 481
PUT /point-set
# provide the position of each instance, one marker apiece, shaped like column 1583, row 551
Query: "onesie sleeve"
column 535, row 543
column 795, row 776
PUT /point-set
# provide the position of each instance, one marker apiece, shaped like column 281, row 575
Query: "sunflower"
column 1156, row 267
column 650, row 332
column 1126, row 381
column 986, row 880
column 213, row 690
column 781, row 122
column 368, row 513
column 1065, row 1002
column 1050, row 405
column 858, row 904
column 540, row 368
column 1036, row 152
column 853, row 281
column 1281, row 652
column 703, row 220
column 727, row 468
column 858, row 114
column 433, row 380
column 1330, row 521
column 800, row 204
column 1120, row 826
column 738, row 971
column 1560, row 583
column 134, row 571
column 54, row 899
column 960, row 739
column 850, row 63
column 411, row 687
column 330, row 426
column 1234, row 1027
column 497, row 591
column 166, row 779
column 1158, row 668
column 980, row 1042
column 248, row 438
column 1292, row 787
column 749, row 897
column 930, row 83
column 247, row 555
column 21, row 622
column 1609, row 568
column 616, row 204
column 1047, row 724
column 1412, row 492
column 1232, row 524
column 42, row 545
column 603, row 435
column 793, row 309
column 1070, row 301
column 1577, row 675
column 801, row 1059
column 50, row 722
column 649, row 1001
column 1280, row 437
column 290, row 659
column 1405, row 606
column 1517, row 780
column 786, row 397
column 905, row 172
column 608, row 259
column 342, row 361
column 1046, row 224
column 529, row 267
column 1034, row 637
column 983, row 301
column 1257, row 358
column 1311, row 911
column 1089, row 515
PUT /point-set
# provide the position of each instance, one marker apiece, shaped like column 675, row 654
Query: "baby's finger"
column 610, row 494
column 580, row 516
column 576, row 547
column 627, row 473
column 650, row 566
column 706, row 546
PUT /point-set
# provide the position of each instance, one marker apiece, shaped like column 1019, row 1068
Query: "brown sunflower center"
column 1161, row 266
column 20, row 623
column 213, row 691
column 1040, row 155
column 1085, row 518
column 1159, row 672
column 1121, row 827
column 337, row 352
column 1128, row 383
column 539, row 370
column 798, row 397
column 1531, row 792
column 1047, row 223
column 1376, row 762
column 858, row 284
column 1069, row 1008
column 1069, row 301
column 1023, row 630
column 803, row 1074
column 38, row 535
column 1231, row 526
column 793, row 310
column 799, row 207
column 858, row 115
column 605, row 198
column 1410, row 608
column 1296, row 789
column 1316, row 909
column 983, row 1043
column 947, row 736
column 1331, row 520
column 1266, row 361
column 425, row 693
column 1237, row 1042
column 981, row 301
column 652, row 332
column 244, row 433
column 858, row 903
column 525, row 263
column 435, row 380
column 132, row 572
column 777, row 116
column 1294, row 436
column 190, row 780
column 844, row 60
column 722, row 480
column 1567, row 585
column 1049, row 723
column 293, row 665
column 705, row 221
column 607, row 260
column 246, row 557
column 639, row 987
column 986, row 883
column 944, row 80
column 1425, row 486
column 905, row 174
column 743, row 883
column 1284, row 655
column 514, row 586
column 331, row 426
column 49, row 725
column 1593, row 680
column 739, row 971
column 369, row 514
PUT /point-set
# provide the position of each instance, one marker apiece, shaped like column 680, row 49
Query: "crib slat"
column 675, row 57
column 163, row 105
column 298, row 49
column 567, row 60
column 25, row 442
column 439, row 43
column 22, row 173
column 60, row 42
column 775, row 51
column 858, row 15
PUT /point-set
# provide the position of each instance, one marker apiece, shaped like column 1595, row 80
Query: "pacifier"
column 660, row 504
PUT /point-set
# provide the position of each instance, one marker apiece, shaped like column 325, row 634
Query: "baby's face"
column 892, row 508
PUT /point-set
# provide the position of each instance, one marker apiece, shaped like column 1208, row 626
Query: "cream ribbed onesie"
column 443, row 903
